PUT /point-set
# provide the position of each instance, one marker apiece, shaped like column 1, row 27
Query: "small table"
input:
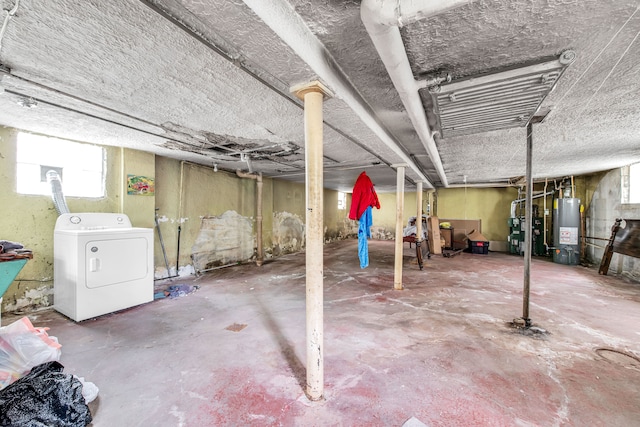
column 9, row 269
column 447, row 234
column 422, row 248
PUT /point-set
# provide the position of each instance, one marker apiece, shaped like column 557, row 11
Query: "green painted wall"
column 139, row 208
column 30, row 220
column 186, row 193
column 207, row 193
column 385, row 217
column 290, row 197
column 333, row 218
column 167, row 203
column 490, row 205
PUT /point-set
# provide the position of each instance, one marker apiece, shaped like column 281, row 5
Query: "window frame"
column 76, row 168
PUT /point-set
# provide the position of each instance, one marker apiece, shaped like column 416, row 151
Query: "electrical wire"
column 10, row 14
column 597, row 57
column 610, row 72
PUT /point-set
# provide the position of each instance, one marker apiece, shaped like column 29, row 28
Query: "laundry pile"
column 33, row 389
column 12, row 250
column 176, row 291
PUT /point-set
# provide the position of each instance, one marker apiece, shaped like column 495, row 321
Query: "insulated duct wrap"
column 56, row 192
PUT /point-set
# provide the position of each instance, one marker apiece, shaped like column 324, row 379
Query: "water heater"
column 566, row 231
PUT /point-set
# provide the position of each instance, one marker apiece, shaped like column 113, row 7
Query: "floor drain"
column 619, row 357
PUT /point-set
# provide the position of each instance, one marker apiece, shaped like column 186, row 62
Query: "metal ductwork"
column 258, row 179
column 56, row 192
column 497, row 101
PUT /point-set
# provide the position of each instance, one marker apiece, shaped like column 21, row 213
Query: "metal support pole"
column 258, row 178
column 260, row 254
column 397, row 272
column 528, row 227
column 164, row 252
column 419, row 211
column 313, row 95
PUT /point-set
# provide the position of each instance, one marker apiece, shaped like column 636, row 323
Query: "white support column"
column 397, row 271
column 313, row 95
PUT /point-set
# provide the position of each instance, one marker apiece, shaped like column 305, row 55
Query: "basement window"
column 631, row 184
column 81, row 167
column 342, row 200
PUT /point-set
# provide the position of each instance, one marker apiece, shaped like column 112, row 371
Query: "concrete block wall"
column 604, row 207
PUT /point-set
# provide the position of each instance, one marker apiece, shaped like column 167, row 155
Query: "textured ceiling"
column 208, row 81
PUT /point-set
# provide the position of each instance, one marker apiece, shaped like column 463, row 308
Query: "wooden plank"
column 434, row 235
column 627, row 240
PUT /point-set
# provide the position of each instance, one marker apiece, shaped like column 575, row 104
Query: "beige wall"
column 384, row 219
column 490, row 205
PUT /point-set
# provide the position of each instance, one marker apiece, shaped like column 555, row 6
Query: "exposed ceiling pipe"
column 247, row 159
column 283, row 20
column 488, row 184
column 9, row 14
column 383, row 19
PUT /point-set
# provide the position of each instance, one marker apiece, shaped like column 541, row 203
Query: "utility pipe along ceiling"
column 443, row 87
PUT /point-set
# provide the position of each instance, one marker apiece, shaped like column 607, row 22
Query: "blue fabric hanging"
column 364, row 232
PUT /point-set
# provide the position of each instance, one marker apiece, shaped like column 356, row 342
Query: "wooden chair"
column 422, row 246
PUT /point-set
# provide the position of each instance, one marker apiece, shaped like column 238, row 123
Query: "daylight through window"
column 342, row 200
column 81, row 166
column 634, row 183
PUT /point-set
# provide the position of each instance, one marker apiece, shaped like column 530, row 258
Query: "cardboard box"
column 462, row 227
column 476, row 236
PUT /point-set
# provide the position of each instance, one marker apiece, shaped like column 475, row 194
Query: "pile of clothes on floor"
column 176, row 291
column 34, row 390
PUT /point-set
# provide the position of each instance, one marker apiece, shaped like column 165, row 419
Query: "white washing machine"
column 101, row 264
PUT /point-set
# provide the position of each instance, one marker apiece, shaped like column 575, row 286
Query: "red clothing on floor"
column 364, row 195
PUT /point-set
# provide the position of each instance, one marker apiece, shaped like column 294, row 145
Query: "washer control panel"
column 92, row 221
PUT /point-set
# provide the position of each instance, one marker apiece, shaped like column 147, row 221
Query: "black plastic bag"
column 44, row 397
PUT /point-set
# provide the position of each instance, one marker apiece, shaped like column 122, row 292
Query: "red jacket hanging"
column 364, row 195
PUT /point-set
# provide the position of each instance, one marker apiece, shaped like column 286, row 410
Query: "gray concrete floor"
column 442, row 350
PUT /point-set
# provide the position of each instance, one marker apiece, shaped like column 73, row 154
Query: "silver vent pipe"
column 56, row 192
